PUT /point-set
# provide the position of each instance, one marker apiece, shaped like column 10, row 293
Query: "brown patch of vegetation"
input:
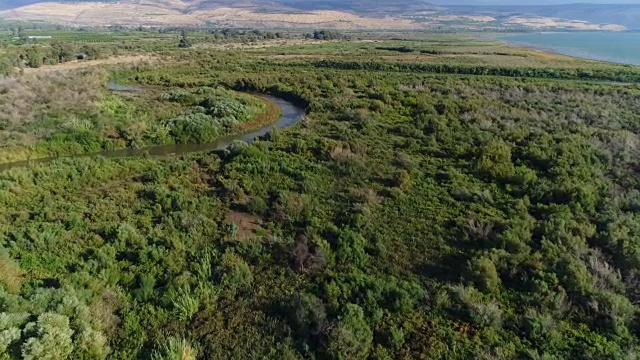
column 247, row 224
column 104, row 310
column 27, row 97
column 343, row 153
column 306, row 257
column 270, row 114
column 11, row 276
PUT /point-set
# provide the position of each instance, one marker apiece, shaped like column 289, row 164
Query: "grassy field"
column 443, row 198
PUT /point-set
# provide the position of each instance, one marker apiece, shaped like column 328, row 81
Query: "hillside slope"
column 358, row 14
column 627, row 15
column 219, row 12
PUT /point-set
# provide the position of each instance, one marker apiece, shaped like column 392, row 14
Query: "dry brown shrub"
column 367, row 196
column 11, row 276
column 342, row 153
column 480, row 228
column 104, row 309
column 27, row 98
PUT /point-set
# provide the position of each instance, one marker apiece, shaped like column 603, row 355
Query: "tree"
column 62, row 51
column 185, row 42
column 21, row 34
column 34, row 58
column 328, row 35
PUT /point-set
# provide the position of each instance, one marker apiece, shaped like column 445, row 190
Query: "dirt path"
column 265, row 44
column 82, row 64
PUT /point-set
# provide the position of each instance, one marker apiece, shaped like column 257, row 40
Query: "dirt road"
column 81, row 64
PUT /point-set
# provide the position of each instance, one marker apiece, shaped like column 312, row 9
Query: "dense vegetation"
column 409, row 215
column 36, row 123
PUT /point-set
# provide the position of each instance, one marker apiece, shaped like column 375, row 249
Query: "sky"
column 529, row 2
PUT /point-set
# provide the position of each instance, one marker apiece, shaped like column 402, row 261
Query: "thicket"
column 409, row 215
column 327, row 35
column 72, row 113
column 630, row 75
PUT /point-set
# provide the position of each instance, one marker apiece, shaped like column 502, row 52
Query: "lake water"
column 622, row 47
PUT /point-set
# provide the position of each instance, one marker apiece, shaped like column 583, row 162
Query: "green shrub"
column 146, row 287
column 194, row 128
column 495, row 160
column 396, row 337
column 49, row 338
column 11, row 276
column 180, row 96
column 235, row 272
column 225, row 108
column 352, row 337
column 484, row 275
column 185, row 304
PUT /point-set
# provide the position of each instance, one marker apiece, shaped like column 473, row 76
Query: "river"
column 291, row 115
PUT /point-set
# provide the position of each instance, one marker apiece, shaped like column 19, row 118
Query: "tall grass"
column 175, row 349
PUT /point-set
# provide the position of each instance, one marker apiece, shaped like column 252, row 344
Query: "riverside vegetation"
column 420, row 210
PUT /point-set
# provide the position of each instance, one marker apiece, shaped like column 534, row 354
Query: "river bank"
column 278, row 114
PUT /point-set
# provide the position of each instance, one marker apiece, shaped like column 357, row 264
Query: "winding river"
column 291, row 115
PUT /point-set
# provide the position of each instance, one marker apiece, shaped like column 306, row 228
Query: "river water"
column 291, row 115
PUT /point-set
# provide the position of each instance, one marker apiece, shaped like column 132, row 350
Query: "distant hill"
column 345, row 14
column 627, row 15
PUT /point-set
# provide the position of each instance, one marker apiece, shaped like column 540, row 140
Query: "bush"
column 194, row 128
column 11, row 275
column 495, row 161
column 185, row 304
column 225, row 108
column 351, row 338
column 328, row 35
column 310, row 317
column 396, row 338
column 483, row 273
column 48, row 339
column 180, row 96
column 146, row 288
column 6, row 67
column 482, row 313
column 235, row 272
column 175, row 349
column 257, row 206
column 65, row 327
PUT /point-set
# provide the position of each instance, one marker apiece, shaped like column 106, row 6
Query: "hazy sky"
column 530, row 2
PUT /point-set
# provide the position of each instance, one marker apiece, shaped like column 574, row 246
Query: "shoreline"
column 556, row 50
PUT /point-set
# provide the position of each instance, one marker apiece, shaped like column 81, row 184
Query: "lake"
column 621, row 47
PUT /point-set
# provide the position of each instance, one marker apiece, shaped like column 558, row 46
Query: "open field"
column 442, row 198
column 130, row 60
